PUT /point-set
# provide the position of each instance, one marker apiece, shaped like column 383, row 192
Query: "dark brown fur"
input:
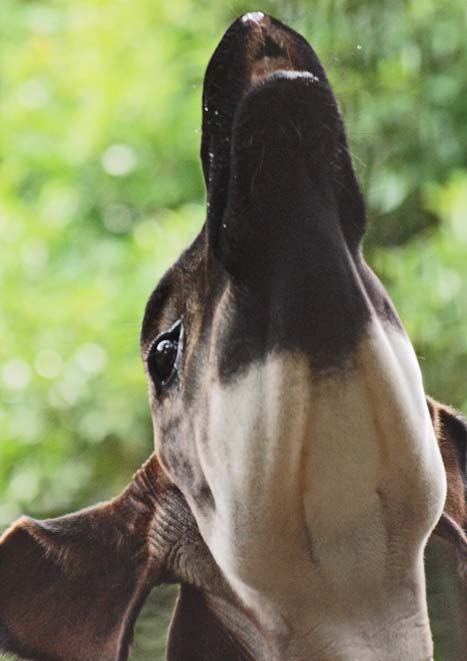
column 451, row 432
column 72, row 587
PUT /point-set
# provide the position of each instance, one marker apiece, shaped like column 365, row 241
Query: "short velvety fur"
column 72, row 587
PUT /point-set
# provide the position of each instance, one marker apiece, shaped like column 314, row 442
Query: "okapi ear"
column 451, row 431
column 72, row 587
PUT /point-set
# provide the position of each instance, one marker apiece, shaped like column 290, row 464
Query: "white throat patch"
column 326, row 489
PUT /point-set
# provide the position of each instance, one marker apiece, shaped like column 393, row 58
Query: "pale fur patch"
column 326, row 489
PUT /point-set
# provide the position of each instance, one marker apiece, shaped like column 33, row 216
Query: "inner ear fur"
column 451, row 431
column 71, row 588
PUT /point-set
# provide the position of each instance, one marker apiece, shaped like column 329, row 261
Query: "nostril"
column 253, row 17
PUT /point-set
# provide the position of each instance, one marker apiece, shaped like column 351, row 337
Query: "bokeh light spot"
column 119, row 160
column 48, row 364
column 16, row 374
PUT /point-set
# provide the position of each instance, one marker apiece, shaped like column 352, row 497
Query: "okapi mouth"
column 265, row 83
column 252, row 49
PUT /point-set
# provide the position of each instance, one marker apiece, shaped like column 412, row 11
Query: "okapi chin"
column 297, row 473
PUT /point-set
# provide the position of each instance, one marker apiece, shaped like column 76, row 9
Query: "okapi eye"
column 165, row 354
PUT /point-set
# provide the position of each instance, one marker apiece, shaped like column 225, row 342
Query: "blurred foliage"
column 100, row 188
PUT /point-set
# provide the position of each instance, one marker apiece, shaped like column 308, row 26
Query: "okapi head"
column 297, row 472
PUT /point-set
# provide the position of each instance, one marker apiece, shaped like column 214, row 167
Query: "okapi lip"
column 284, row 117
column 292, row 108
column 280, row 73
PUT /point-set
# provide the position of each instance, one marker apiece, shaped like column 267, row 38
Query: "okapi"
column 297, row 473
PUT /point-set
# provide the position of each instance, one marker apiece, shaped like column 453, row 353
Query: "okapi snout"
column 272, row 135
column 285, row 211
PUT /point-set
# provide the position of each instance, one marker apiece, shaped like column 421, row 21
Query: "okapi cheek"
column 251, row 455
column 375, row 475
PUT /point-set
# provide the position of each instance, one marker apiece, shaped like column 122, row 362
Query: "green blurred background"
column 100, row 189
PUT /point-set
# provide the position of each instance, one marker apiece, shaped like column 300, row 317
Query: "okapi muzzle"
column 298, row 468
